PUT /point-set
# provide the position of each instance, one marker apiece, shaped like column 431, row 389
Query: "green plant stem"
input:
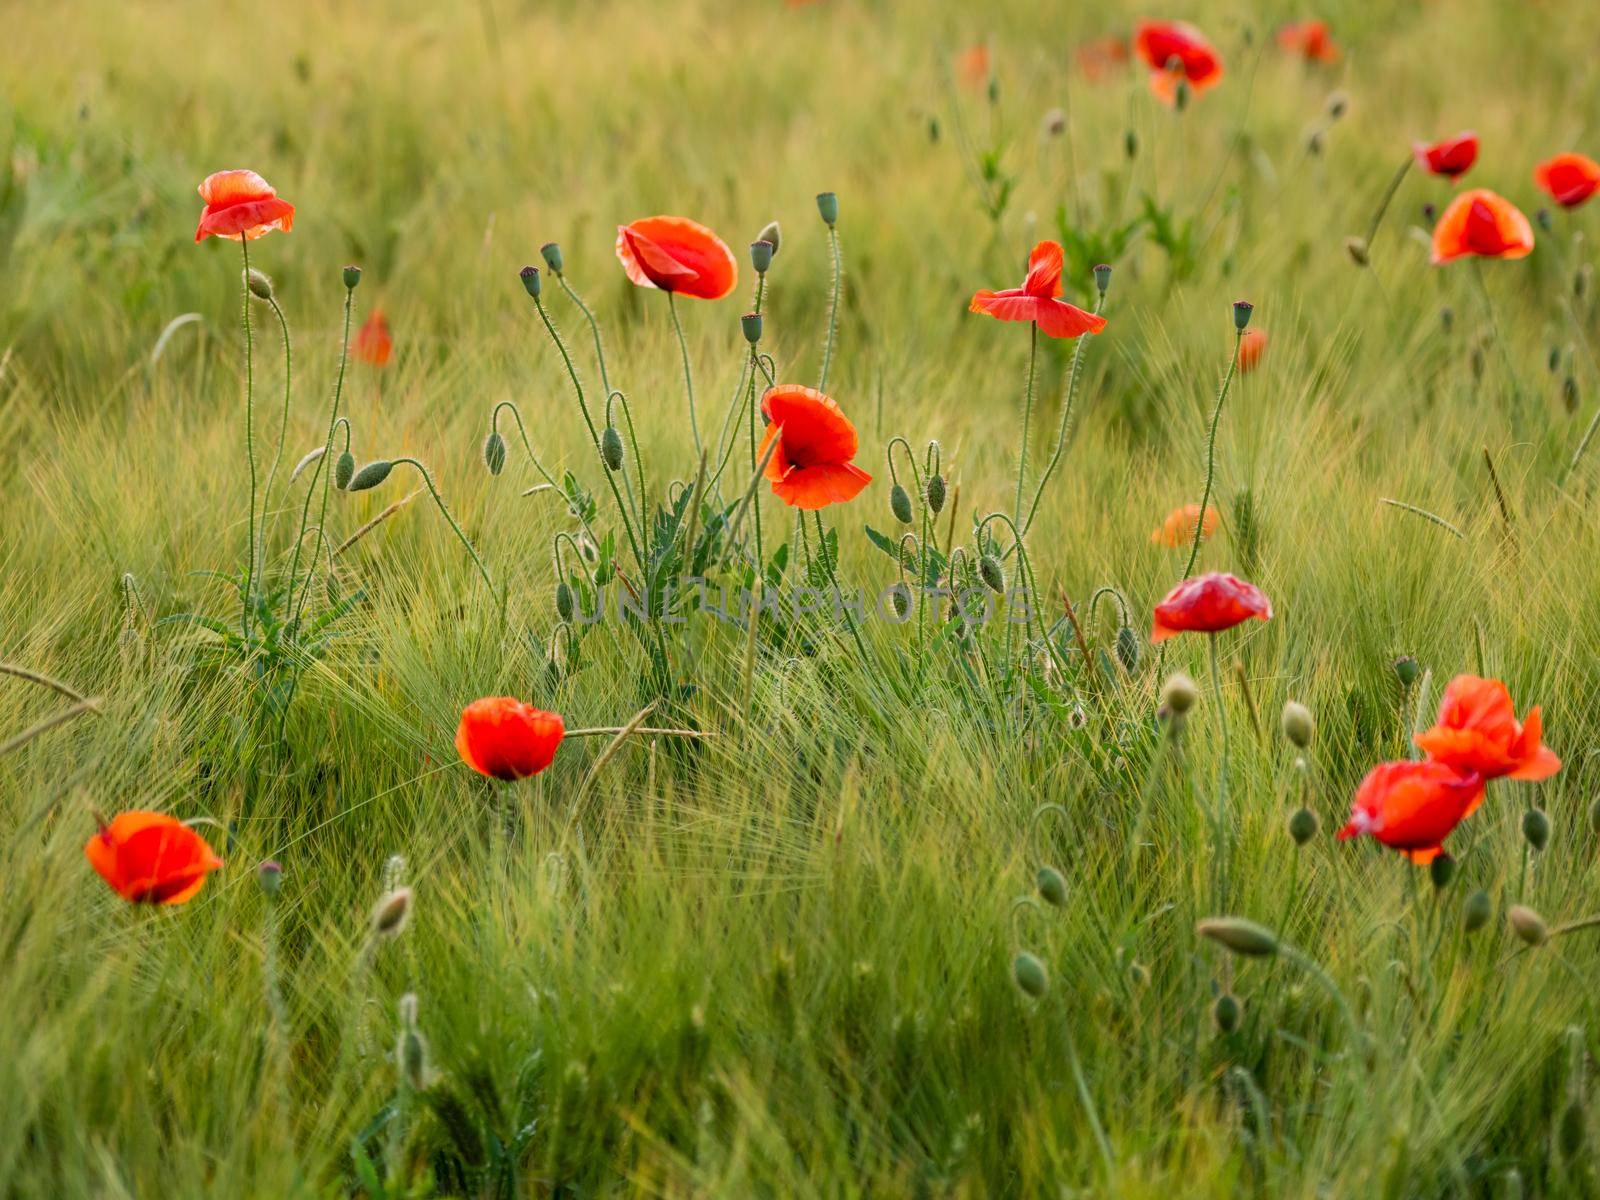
column 833, row 308
column 323, row 471
column 445, row 512
column 249, row 442
column 1211, row 453
column 833, row 579
column 594, row 328
column 1220, row 817
column 1499, row 337
column 1388, row 196
column 1065, row 429
column 688, row 375
column 283, row 423
column 1027, row 415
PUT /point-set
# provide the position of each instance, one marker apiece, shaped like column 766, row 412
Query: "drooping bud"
column 551, row 253
column 494, row 452
column 1297, row 723
column 750, row 323
column 1406, row 670
column 1552, row 361
column 1239, row 935
column 269, row 878
column 1226, row 1012
column 935, row 493
column 352, row 276
column 1241, row 314
column 1130, row 144
column 1476, row 361
column 1179, row 693
column 992, row 573
column 772, row 235
column 900, row 598
column 411, row 1051
column 1055, row 122
column 1475, row 911
column 369, row 476
column 900, row 504
column 1337, row 103
column 611, row 448
column 1102, row 277
column 1569, row 394
column 1572, row 1132
column 1302, row 826
column 1314, row 144
column 1128, row 649
column 1356, row 248
column 1442, row 870
column 761, row 256
column 344, row 469
column 1030, row 974
column 1528, row 925
column 391, row 914
column 1536, row 828
column 259, row 283
column 531, row 281
column 828, row 207
column 564, row 601
column 1052, row 887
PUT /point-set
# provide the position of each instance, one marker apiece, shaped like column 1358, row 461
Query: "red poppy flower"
column 1413, row 806
column 241, row 204
column 1175, row 50
column 503, row 738
column 676, row 254
column 1097, row 58
column 972, row 64
column 1449, row 158
column 1252, row 345
column 1179, row 527
column 374, row 343
column 1569, row 178
column 1209, row 604
column 1477, row 730
column 1310, row 40
column 151, row 858
column 811, row 467
column 1482, row 223
column 1038, row 300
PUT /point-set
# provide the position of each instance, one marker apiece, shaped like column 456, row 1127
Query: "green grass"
column 778, row 961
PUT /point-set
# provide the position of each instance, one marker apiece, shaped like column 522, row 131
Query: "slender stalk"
column 322, row 470
column 833, row 308
column 445, row 511
column 688, row 376
column 594, row 328
column 827, row 562
column 1383, row 204
column 1220, row 817
column 755, row 501
column 1027, row 415
column 1211, row 453
column 1066, row 421
column 249, row 440
column 1494, row 328
column 283, row 423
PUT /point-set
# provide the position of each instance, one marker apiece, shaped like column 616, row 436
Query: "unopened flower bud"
column 411, row 1051
column 370, row 476
column 611, row 448
column 1030, row 974
column 1055, row 122
column 531, row 281
column 1314, row 143
column 494, row 452
column 828, row 207
column 1442, row 870
column 1475, row 911
column 900, row 504
column 1297, row 723
column 1406, row 670
column 772, row 235
column 1528, row 925
column 900, row 598
column 1130, row 144
column 259, row 284
column 1302, row 826
column 391, row 913
column 564, row 607
column 1052, row 887
column 761, row 256
column 1102, row 277
column 1128, row 649
column 935, row 493
column 1552, row 360
column 344, row 469
column 1543, row 218
column 1569, row 394
column 352, row 276
column 1179, row 693
column 1356, row 248
column 750, row 323
column 1336, row 105
column 1239, row 935
column 1241, row 313
column 1226, row 1012
column 1536, row 828
column 992, row 573
column 269, row 877
column 551, row 253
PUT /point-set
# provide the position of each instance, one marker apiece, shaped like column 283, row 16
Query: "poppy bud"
column 1226, row 1012
column 828, row 207
column 1552, row 361
column 1571, row 1133
column 531, row 281
column 1102, row 277
column 1030, row 974
column 772, row 235
column 1475, row 360
column 900, row 504
column 1594, row 816
column 935, row 493
column 1128, row 649
column 751, row 324
column 1314, row 143
column 992, row 573
column 494, row 452
column 1447, row 318
column 994, row 89
column 1239, row 935
column 343, row 469
column 1405, row 669
column 564, row 601
column 392, row 912
column 1302, row 826
column 1475, row 912
column 1442, row 870
column 900, row 597
column 1543, row 217
column 259, row 284
column 1297, row 723
column 1052, row 887
column 1569, row 394
column 551, row 253
column 352, row 276
column 1055, row 122
column 611, row 448
column 1241, row 314
column 1130, row 143
column 1337, row 103
column 1356, row 248
column 1180, row 95
column 1178, row 693
column 1429, row 212
column 370, row 476
column 1536, row 828
column 411, row 1052
column 269, row 877
column 1528, row 925
column 761, row 256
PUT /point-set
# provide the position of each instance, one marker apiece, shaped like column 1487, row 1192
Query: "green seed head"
column 1030, row 975
column 1573, row 1130
column 1536, row 828
column 936, row 493
column 1052, row 888
column 352, row 276
column 344, row 469
column 1475, row 911
column 1406, row 670
column 900, row 504
column 1226, row 1012
column 494, row 452
column 1297, row 723
column 761, row 252
column 828, row 207
column 269, row 877
column 1239, row 935
column 1302, row 826
column 1102, row 278
column 750, row 325
column 370, row 476
column 611, row 448
column 531, row 281
column 551, row 253
column 1241, row 313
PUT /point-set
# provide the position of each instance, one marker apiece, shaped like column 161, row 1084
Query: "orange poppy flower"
column 374, row 343
column 1178, row 529
column 1209, row 604
column 1477, row 730
column 1449, row 158
column 972, row 64
column 1252, row 345
column 1097, row 58
column 676, row 254
column 151, row 858
column 241, row 204
column 1310, row 40
column 1570, row 179
column 1037, row 300
column 810, row 467
column 1413, row 806
column 1175, row 50
column 503, row 738
column 1482, row 223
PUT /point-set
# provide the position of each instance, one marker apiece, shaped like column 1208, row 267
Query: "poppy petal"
column 811, row 488
column 1044, row 270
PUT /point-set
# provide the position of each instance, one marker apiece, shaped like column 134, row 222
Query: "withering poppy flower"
column 1570, row 179
column 1037, row 300
column 1310, row 40
column 972, row 64
column 1252, row 345
column 1449, row 158
column 241, row 204
column 503, row 738
column 151, row 858
column 1175, row 50
column 678, row 255
column 374, row 344
column 1209, row 604
column 810, row 467
column 1482, row 223
column 1477, row 730
column 1100, row 56
column 1179, row 527
column 1413, row 806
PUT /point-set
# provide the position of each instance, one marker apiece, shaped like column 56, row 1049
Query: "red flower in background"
column 1180, row 526
column 1413, row 806
column 1209, row 604
column 1175, row 50
column 1252, row 345
column 972, row 64
column 810, row 467
column 374, row 344
column 1038, row 300
column 1482, row 223
column 151, row 858
column 1098, row 57
column 503, row 738
column 678, row 255
column 1570, row 179
column 1477, row 730
column 241, row 204
column 1449, row 158
column 1310, row 40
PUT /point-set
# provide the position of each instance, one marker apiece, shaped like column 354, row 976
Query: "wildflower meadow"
column 834, row 598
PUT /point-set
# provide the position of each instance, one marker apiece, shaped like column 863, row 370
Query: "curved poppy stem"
column 594, row 328
column 1027, row 414
column 1065, row 428
column 1388, row 196
column 833, row 307
column 522, row 432
column 638, row 463
column 688, row 376
column 1211, row 453
column 323, row 470
column 445, row 512
column 249, row 441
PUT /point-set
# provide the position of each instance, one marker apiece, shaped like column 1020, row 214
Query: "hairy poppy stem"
column 1065, row 429
column 755, row 502
column 833, row 307
column 1211, row 454
column 445, row 512
column 283, row 423
column 1220, row 817
column 1027, row 414
column 1388, row 197
column 249, row 441
column 594, row 328
column 688, row 376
